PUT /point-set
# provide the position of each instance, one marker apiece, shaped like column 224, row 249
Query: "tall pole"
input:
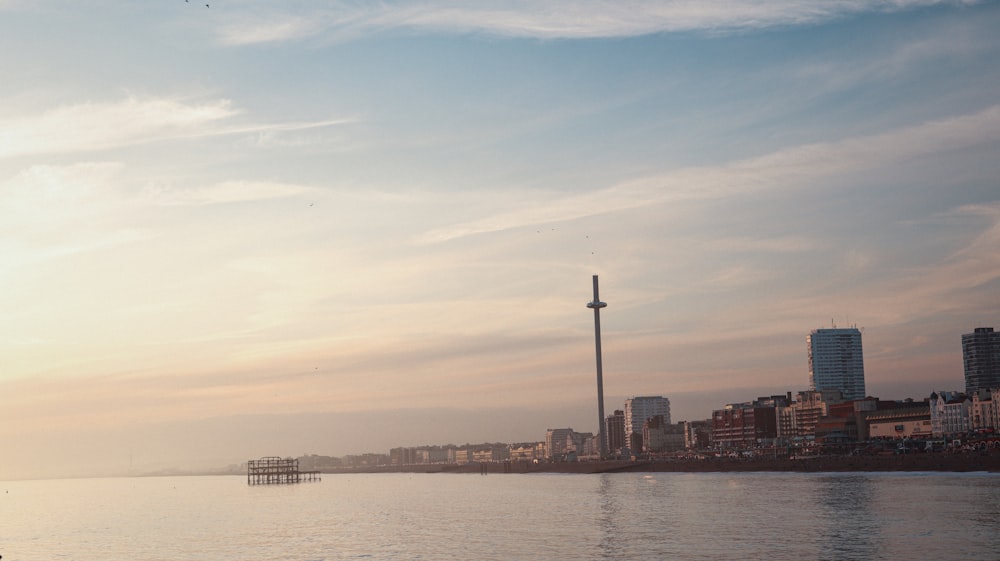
column 596, row 305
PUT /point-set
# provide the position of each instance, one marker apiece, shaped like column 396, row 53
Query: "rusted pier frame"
column 272, row 470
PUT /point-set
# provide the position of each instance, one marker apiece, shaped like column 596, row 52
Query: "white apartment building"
column 638, row 410
column 951, row 413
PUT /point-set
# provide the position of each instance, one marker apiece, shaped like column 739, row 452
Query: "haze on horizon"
column 330, row 227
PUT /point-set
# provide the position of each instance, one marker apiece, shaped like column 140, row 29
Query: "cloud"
column 734, row 277
column 957, row 283
column 53, row 211
column 273, row 27
column 229, row 192
column 791, row 167
column 551, row 20
column 765, row 245
column 957, row 277
column 86, row 127
column 99, row 126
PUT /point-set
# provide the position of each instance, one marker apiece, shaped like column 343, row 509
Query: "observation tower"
column 596, row 305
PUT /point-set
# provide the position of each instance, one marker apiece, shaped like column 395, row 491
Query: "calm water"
column 507, row 517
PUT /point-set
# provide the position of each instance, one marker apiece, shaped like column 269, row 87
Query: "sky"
column 281, row 228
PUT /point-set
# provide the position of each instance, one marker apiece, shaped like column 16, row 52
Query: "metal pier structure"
column 272, row 470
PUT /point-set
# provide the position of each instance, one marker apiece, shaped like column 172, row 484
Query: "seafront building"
column 981, row 358
column 527, row 451
column 637, row 410
column 744, row 425
column 822, row 418
column 836, row 361
column 950, row 412
column 561, row 444
column 900, row 421
column 615, row 428
column 797, row 419
column 985, row 410
column 658, row 436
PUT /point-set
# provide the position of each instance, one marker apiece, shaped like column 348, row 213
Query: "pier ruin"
column 272, row 470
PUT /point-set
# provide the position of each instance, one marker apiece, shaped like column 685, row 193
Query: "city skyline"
column 270, row 228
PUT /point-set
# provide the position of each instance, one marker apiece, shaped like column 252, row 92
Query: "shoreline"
column 934, row 462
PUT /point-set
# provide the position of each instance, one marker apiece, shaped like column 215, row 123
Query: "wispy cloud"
column 228, row 192
column 764, row 245
column 88, row 127
column 796, row 166
column 50, row 212
column 974, row 266
column 551, row 20
column 98, row 126
column 953, row 283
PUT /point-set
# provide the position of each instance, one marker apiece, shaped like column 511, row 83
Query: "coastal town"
column 833, row 426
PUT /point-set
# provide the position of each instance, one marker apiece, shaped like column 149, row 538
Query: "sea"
column 441, row 516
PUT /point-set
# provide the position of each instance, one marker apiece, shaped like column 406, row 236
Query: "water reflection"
column 610, row 544
column 641, row 517
column 849, row 526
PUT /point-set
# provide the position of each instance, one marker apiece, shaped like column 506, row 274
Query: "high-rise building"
column 836, row 361
column 615, row 426
column 981, row 354
column 637, row 410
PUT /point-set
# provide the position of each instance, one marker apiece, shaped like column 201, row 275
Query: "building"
column 432, row 455
column 992, row 417
column 847, row 421
column 490, row 452
column 637, row 410
column 950, row 413
column 983, row 411
column 557, row 442
column 402, row 456
column 569, row 445
column 615, row 429
column 799, row 418
column 587, row 445
column 659, row 437
column 699, row 435
column 464, row 456
column 836, row 361
column 365, row 460
column 744, row 425
column 981, row 355
column 899, row 420
column 527, row 451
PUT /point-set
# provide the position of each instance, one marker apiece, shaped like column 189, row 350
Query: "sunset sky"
column 277, row 228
